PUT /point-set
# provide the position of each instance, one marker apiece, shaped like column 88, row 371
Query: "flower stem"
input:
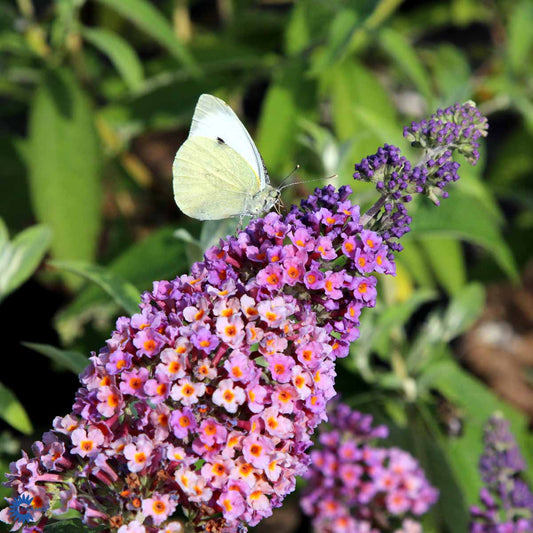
column 369, row 215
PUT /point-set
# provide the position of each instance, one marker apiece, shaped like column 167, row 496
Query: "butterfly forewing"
column 215, row 119
column 211, row 180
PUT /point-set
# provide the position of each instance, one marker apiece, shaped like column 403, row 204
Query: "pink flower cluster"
column 354, row 487
column 200, row 407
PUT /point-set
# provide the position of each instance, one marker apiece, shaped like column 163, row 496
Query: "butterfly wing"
column 211, row 180
column 215, row 119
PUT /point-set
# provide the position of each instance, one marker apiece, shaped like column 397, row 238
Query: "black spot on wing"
column 220, row 140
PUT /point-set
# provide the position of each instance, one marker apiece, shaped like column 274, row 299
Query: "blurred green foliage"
column 97, row 95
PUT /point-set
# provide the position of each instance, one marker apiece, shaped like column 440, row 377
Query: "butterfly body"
column 218, row 171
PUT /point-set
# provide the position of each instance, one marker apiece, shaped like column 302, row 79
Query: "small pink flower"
column 229, row 396
column 139, row 453
column 87, row 444
column 158, row 507
column 231, row 504
column 187, row 392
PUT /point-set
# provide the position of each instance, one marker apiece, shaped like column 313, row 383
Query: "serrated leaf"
column 76, row 362
column 125, row 294
column 463, row 216
column 145, row 16
column 64, row 161
column 12, row 412
column 20, row 258
column 405, row 56
column 121, row 54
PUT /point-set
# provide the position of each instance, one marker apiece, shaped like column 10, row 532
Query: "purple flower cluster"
column 203, row 403
column 355, row 487
column 507, row 500
column 456, row 128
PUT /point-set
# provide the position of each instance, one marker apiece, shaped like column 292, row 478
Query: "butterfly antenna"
column 290, row 175
column 306, row 181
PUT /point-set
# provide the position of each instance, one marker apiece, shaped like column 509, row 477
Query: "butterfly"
column 218, row 171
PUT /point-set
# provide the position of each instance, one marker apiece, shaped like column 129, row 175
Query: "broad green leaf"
column 64, row 161
column 463, row 216
column 520, row 37
column 74, row 361
column 341, row 30
column 124, row 293
column 12, row 411
column 121, row 54
column 405, row 56
column 167, row 259
column 447, row 262
column 463, row 311
column 21, row 257
column 451, row 511
column 297, row 34
column 477, row 403
column 395, row 316
column 452, row 74
column 362, row 114
column 288, row 95
column 351, row 84
column 144, row 15
column 66, row 526
column 415, row 263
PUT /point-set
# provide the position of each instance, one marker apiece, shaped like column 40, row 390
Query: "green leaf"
column 297, row 34
column 451, row 510
column 12, row 411
column 74, row 361
column 21, row 257
column 66, row 526
column 121, row 54
column 395, row 316
column 463, row 216
column 463, row 311
column 341, row 30
column 64, row 161
column 144, row 15
column 476, row 403
column 447, row 262
column 125, row 294
column 452, row 74
column 520, row 38
column 350, row 84
column 287, row 96
column 405, row 56
column 415, row 263
column 167, row 260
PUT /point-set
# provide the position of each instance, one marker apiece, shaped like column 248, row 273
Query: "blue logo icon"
column 21, row 510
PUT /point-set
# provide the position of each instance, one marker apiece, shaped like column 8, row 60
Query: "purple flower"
column 207, row 398
column 456, row 128
column 354, row 486
column 506, row 498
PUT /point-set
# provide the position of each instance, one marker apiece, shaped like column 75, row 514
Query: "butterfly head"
column 264, row 201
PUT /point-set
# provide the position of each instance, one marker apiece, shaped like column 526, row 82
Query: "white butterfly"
column 218, row 171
